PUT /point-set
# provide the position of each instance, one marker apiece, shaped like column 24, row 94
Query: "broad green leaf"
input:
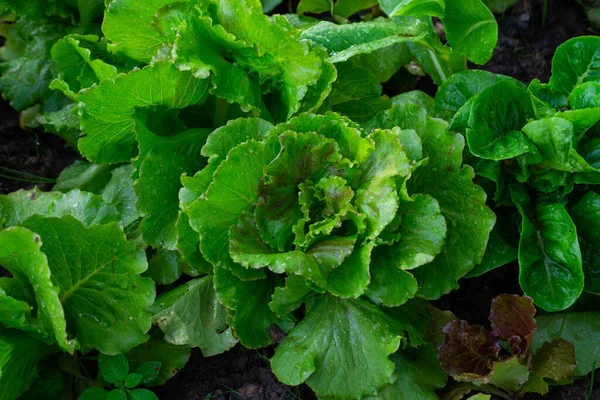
column 549, row 255
column 49, row 385
column 88, row 208
column 248, row 302
column 422, row 232
column 119, row 192
column 113, row 368
column 464, row 85
column 351, row 278
column 132, row 380
column 462, row 204
column 161, row 162
column 165, row 267
column 269, row 5
column 575, row 62
column 496, row 119
column 287, row 298
column 129, row 25
column 390, row 285
column 205, row 327
column 97, row 271
column 233, row 191
column 107, row 110
column 19, row 362
column 419, row 376
column 509, row 374
column 314, row 6
column 148, row 372
column 586, row 216
column 581, row 329
column 586, row 95
column 356, row 93
column 337, row 341
column 237, row 131
column 418, row 8
column 20, row 254
column 418, row 98
column 345, row 41
column 554, row 360
column 171, row 358
column 84, row 176
column 471, row 29
column 555, row 140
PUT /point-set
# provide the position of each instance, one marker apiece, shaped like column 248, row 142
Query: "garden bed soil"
column 524, row 51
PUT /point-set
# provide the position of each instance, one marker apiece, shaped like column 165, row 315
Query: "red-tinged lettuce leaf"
column 551, row 270
column 512, row 320
column 467, row 351
column 554, row 360
column 581, row 329
column 337, row 341
column 107, row 110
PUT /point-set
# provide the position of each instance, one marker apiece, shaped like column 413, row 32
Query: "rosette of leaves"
column 537, row 149
column 503, row 359
column 317, row 211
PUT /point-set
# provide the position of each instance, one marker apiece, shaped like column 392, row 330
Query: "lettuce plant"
column 536, row 149
column 502, row 359
column 257, row 156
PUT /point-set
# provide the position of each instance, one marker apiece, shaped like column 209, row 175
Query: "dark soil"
column 527, row 41
column 237, row 374
column 31, row 151
column 524, row 51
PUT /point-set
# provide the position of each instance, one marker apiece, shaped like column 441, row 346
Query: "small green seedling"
column 113, row 371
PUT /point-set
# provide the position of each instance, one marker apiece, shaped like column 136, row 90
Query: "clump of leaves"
column 114, row 371
column 502, row 358
column 536, row 150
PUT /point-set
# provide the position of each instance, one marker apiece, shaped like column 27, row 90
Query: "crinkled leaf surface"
column 337, row 341
column 467, row 350
column 575, row 62
column 97, row 271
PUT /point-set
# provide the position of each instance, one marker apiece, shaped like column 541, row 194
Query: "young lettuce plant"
column 502, row 361
column 537, row 149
